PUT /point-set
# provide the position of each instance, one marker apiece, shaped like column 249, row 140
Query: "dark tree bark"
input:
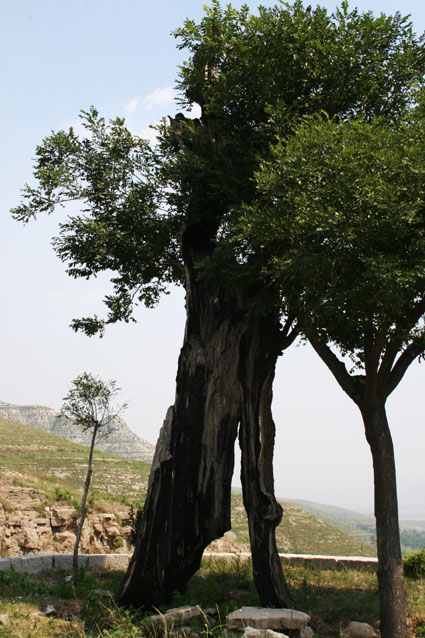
column 370, row 392
column 394, row 610
column 260, row 347
column 188, row 500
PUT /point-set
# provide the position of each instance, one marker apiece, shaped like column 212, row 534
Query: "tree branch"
column 413, row 350
column 385, row 369
column 337, row 367
column 289, row 333
column 372, row 356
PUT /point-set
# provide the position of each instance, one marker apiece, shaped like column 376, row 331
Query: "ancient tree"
column 160, row 215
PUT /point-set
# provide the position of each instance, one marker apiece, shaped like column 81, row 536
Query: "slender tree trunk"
column 394, row 611
column 259, row 352
column 83, row 509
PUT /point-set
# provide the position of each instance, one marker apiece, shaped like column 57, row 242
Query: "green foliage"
column 342, row 221
column 62, row 494
column 412, row 539
column 112, row 174
column 13, row 585
column 89, row 402
column 414, row 564
column 254, row 75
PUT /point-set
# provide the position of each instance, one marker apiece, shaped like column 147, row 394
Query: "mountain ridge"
column 122, row 441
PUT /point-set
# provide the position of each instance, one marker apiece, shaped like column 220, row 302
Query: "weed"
column 62, row 494
column 13, row 585
column 7, row 506
column 414, row 563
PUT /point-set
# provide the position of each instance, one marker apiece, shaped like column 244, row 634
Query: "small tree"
column 89, row 404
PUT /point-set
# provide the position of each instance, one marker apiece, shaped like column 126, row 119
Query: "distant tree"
column 341, row 227
column 89, row 405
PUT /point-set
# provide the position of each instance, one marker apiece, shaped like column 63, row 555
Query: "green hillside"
column 362, row 526
column 48, row 463
column 56, row 468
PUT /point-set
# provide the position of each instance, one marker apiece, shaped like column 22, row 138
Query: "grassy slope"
column 47, row 462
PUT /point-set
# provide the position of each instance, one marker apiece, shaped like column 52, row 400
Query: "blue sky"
column 57, row 58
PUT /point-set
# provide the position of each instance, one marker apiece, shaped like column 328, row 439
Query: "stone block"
column 359, row 630
column 62, row 561
column 15, row 563
column 297, row 560
column 357, row 562
column 264, row 618
column 251, row 632
column 36, row 563
column 323, row 562
column 107, row 561
column 62, row 517
column 177, row 615
column 4, row 564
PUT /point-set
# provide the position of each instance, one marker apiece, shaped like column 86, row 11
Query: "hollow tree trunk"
column 188, row 500
column 394, row 611
column 259, row 352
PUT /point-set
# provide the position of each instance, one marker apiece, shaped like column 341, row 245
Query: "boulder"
column 62, row 517
column 359, row 630
column 251, row 632
column 28, row 538
column 264, row 618
column 178, row 614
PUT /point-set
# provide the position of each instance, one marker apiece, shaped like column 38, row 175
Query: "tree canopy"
column 341, row 228
column 252, row 75
column 342, row 225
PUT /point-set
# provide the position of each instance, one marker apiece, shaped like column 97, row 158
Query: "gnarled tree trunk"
column 188, row 500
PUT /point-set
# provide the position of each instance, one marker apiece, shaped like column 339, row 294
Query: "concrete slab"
column 107, row 561
column 15, row 563
column 36, row 563
column 4, row 564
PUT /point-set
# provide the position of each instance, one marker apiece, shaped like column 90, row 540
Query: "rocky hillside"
column 41, row 482
column 122, row 441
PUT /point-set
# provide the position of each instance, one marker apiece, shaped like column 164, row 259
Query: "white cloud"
column 132, row 105
column 158, row 97
column 150, row 134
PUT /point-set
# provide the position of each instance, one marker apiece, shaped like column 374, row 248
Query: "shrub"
column 62, row 494
column 414, row 563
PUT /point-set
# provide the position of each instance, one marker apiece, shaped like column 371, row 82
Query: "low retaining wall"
column 34, row 563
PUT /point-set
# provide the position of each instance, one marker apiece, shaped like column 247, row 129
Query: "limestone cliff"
column 122, row 441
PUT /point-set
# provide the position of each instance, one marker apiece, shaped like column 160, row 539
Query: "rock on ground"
column 359, row 630
column 263, row 618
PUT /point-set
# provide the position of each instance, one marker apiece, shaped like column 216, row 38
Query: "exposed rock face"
column 28, row 527
column 122, row 441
